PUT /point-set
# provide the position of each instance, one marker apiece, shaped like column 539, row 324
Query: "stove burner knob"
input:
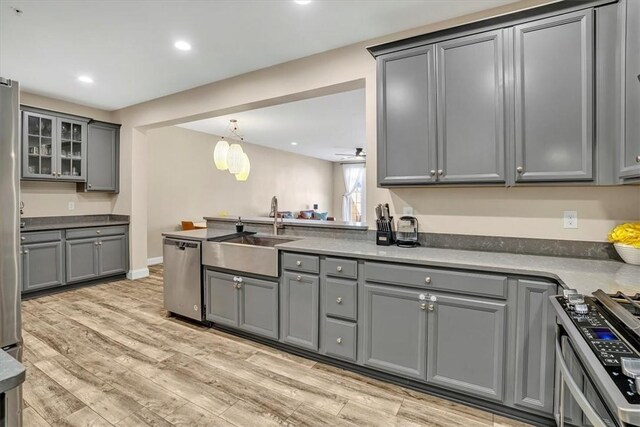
column 631, row 368
column 581, row 308
column 576, row 299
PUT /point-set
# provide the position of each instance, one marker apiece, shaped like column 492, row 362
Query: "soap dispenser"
column 239, row 225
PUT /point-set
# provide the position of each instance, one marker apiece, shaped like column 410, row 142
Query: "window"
column 353, row 197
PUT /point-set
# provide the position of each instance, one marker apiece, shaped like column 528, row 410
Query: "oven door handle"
column 574, row 390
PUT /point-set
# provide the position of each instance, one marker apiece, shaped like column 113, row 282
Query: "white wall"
column 183, row 183
column 52, row 198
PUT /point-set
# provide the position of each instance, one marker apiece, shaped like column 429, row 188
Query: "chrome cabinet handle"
column 432, row 302
column 440, row 172
column 423, row 306
column 298, row 263
column 26, row 251
column 339, row 340
column 239, row 279
column 519, row 169
column 339, row 268
column 432, row 172
column 298, row 278
column 100, row 243
column 637, row 159
column 339, row 300
column 239, row 285
column 235, row 279
column 89, row 185
column 427, row 280
column 59, row 174
column 22, row 238
column 97, row 231
column 95, row 243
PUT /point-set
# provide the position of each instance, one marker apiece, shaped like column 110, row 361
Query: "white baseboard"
column 138, row 274
column 154, row 261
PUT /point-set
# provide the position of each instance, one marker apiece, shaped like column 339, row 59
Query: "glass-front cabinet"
column 54, row 148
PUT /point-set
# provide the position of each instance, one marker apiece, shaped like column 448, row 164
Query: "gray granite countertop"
column 202, row 234
column 77, row 221
column 343, row 225
column 12, row 372
column 582, row 274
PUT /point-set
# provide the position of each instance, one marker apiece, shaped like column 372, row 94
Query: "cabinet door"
column 554, row 98
column 300, row 300
column 112, row 252
column 259, row 307
column 535, row 346
column 38, row 145
column 406, row 117
column 72, row 150
column 466, row 345
column 102, row 157
column 395, row 330
column 222, row 299
column 630, row 151
column 42, row 266
column 471, row 129
column 81, row 259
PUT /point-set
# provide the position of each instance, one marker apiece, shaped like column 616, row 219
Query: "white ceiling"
column 321, row 126
column 127, row 46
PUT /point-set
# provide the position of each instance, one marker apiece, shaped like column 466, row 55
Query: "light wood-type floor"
column 108, row 355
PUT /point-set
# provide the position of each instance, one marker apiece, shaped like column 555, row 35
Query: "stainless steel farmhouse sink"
column 248, row 253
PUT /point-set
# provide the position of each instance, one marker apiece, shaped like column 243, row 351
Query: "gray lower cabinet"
column 259, row 307
column 407, row 117
column 630, row 142
column 42, row 266
column 554, row 102
column 467, row 345
column 471, row 130
column 221, row 299
column 242, row 302
column 112, row 255
column 103, row 157
column 299, row 315
column 81, row 260
column 535, row 346
column 395, row 330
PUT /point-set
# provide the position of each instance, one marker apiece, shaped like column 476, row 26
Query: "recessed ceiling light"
column 294, row 143
column 302, row 1
column 85, row 79
column 182, row 45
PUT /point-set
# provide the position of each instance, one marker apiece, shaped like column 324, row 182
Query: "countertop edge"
column 16, row 373
column 288, row 222
column 69, row 226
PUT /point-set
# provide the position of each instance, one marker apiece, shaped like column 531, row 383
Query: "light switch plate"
column 407, row 210
column 570, row 219
column 72, row 206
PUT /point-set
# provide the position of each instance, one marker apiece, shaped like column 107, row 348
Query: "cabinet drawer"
column 305, row 263
column 340, row 298
column 340, row 338
column 40, row 237
column 433, row 278
column 342, row 268
column 83, row 233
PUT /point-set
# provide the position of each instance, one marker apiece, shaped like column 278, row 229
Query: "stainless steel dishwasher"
column 183, row 278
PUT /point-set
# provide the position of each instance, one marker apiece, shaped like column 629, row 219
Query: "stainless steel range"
column 598, row 359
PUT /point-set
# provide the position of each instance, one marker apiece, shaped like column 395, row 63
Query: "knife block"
column 385, row 235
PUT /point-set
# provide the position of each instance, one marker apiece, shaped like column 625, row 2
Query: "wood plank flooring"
column 108, row 355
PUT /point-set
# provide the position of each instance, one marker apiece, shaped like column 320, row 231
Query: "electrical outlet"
column 72, row 206
column 570, row 219
column 407, row 210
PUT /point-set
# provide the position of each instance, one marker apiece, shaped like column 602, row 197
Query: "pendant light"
column 220, row 154
column 235, row 158
column 246, row 168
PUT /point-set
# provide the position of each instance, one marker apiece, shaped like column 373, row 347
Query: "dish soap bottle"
column 239, row 225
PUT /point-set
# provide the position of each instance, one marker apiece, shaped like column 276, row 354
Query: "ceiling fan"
column 358, row 155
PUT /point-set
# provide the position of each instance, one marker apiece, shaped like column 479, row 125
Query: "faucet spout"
column 274, row 209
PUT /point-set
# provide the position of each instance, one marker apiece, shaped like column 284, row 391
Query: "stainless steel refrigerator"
column 10, row 330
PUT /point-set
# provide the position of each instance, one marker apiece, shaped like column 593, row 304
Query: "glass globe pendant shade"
column 234, row 158
column 220, row 155
column 246, row 168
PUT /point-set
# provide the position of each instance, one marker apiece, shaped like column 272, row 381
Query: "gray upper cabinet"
column 42, row 266
column 81, row 260
column 259, row 307
column 535, row 346
column 630, row 141
column 554, row 78
column 471, row 131
column 407, row 117
column 103, row 153
column 299, row 303
column 221, row 299
column 54, row 147
column 467, row 345
column 395, row 330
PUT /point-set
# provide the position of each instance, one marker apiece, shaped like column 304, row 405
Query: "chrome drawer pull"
column 339, row 268
column 339, row 300
column 298, row 263
column 339, row 340
column 427, row 280
column 423, row 306
column 298, row 278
